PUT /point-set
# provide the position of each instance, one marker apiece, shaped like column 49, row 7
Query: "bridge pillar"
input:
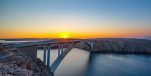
column 58, row 60
column 35, row 54
column 48, row 56
column 58, row 50
column 44, row 54
column 62, row 49
column 92, row 45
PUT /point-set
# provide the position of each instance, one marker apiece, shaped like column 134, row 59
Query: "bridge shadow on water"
column 90, row 67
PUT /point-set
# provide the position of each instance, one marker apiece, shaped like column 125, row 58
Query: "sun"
column 64, row 35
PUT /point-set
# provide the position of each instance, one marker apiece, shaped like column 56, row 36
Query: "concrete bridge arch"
column 60, row 57
column 84, row 45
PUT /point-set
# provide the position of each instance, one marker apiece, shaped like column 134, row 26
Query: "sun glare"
column 65, row 35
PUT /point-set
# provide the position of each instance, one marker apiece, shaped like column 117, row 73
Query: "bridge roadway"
column 64, row 46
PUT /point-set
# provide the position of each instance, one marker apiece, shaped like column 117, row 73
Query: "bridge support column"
column 61, row 57
column 62, row 49
column 92, row 45
column 58, row 50
column 44, row 54
column 48, row 56
column 35, row 54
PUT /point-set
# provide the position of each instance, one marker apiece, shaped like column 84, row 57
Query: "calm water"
column 81, row 63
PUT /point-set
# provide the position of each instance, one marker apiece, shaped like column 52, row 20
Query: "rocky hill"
column 17, row 64
column 119, row 45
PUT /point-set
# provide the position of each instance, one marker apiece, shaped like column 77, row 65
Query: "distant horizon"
column 148, row 38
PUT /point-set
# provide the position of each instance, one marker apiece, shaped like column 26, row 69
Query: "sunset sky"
column 74, row 18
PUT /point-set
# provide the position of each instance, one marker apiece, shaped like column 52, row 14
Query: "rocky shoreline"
column 119, row 46
column 14, row 63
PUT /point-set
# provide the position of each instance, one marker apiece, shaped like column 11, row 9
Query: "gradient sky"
column 77, row 18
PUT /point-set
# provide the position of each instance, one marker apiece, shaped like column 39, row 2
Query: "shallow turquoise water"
column 81, row 63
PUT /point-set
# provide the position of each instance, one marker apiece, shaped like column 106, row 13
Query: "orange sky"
column 69, row 35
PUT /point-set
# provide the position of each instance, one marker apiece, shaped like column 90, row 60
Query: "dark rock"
column 18, row 64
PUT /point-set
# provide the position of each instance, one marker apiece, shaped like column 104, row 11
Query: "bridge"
column 64, row 46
